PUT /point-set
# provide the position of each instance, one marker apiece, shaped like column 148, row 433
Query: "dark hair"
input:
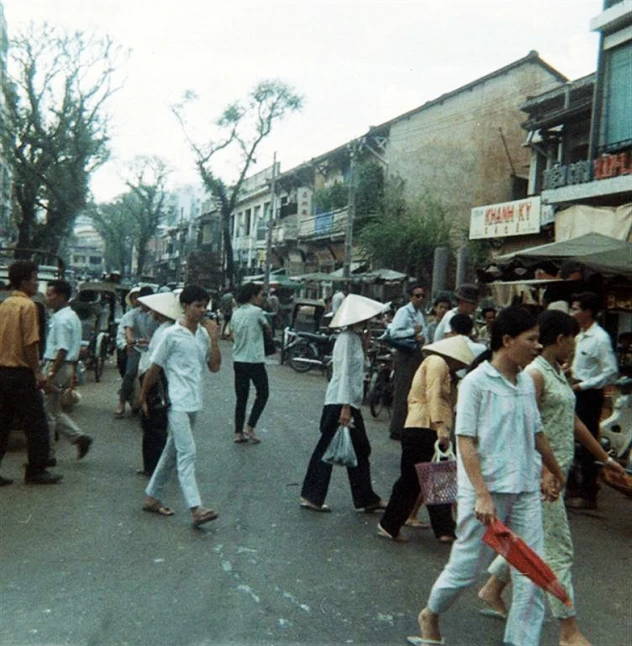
column 20, row 271
column 570, row 267
column 462, row 324
column 412, row 288
column 145, row 291
column 442, row 299
column 487, row 309
column 61, row 287
column 553, row 323
column 247, row 291
column 588, row 301
column 512, row 322
column 192, row 293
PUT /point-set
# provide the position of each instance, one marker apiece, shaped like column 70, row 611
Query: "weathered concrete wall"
column 453, row 149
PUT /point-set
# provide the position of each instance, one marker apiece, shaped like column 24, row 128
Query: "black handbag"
column 408, row 345
column 158, row 397
column 269, row 346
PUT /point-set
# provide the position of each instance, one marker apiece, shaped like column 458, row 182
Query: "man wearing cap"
column 408, row 323
column 20, row 376
column 138, row 330
column 466, row 302
column 63, row 344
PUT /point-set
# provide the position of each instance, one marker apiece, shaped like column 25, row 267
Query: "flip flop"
column 494, row 614
column 416, row 523
column 118, row 414
column 240, row 440
column 306, row 504
column 253, row 439
column 400, row 538
column 158, row 508
column 420, row 641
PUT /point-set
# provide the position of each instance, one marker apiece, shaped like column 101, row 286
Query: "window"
column 247, row 222
column 616, row 116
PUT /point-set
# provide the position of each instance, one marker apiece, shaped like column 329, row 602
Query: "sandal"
column 252, row 438
column 158, row 508
column 240, row 440
column 378, row 506
column 202, row 515
column 400, row 538
column 306, row 504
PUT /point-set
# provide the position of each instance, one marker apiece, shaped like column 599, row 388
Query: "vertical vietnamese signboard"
column 517, row 218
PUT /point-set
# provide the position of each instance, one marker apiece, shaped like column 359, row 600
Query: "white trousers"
column 58, row 421
column 522, row 513
column 179, row 452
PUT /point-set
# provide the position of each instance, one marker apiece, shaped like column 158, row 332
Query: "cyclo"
column 96, row 305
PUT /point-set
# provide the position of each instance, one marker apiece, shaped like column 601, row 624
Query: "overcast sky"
column 358, row 63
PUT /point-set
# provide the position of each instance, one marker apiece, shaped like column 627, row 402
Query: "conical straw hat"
column 166, row 304
column 453, row 347
column 132, row 291
column 355, row 309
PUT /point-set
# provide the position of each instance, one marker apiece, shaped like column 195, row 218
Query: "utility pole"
column 346, row 271
column 271, row 220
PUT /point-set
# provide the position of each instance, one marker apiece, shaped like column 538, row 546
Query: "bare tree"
column 145, row 201
column 242, row 125
column 57, row 130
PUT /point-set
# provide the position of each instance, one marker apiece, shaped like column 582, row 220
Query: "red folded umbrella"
column 517, row 553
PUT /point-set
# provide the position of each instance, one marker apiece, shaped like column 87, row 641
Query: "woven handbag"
column 437, row 479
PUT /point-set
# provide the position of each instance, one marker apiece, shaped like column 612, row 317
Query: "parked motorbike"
column 380, row 380
column 616, row 437
column 308, row 350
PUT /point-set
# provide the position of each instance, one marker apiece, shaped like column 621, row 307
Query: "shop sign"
column 518, row 218
column 581, row 172
column 304, row 203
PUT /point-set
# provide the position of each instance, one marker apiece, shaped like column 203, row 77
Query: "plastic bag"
column 437, row 479
column 340, row 450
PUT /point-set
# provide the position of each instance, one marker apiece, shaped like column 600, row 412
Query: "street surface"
column 82, row 565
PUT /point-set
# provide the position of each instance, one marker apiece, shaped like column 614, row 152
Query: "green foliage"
column 56, row 132
column 370, row 186
column 332, row 197
column 402, row 235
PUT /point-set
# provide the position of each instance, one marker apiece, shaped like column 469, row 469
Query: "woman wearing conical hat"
column 342, row 408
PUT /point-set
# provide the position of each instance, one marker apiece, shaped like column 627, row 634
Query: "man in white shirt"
column 185, row 350
column 338, row 297
column 408, row 323
column 63, row 343
column 466, row 303
column 594, row 367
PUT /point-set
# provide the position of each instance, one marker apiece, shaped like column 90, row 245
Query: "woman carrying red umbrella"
column 499, row 434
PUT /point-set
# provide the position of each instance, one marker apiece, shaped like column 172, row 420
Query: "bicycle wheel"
column 298, row 352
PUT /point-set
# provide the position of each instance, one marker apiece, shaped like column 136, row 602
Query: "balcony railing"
column 324, row 225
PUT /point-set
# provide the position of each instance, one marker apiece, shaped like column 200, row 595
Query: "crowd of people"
column 515, row 395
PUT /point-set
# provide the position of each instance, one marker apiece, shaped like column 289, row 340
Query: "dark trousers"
column 154, row 428
column 404, row 365
column 121, row 361
column 417, row 446
column 583, row 476
column 244, row 374
column 316, row 483
column 20, row 400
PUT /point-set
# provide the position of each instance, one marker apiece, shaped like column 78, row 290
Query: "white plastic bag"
column 340, row 450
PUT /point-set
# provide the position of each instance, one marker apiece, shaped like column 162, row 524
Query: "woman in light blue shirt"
column 248, row 325
column 342, row 408
column 499, row 434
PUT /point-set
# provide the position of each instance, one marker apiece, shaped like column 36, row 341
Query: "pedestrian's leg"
column 468, row 557
column 316, row 482
column 127, row 385
column 406, row 488
column 404, row 369
column 182, row 429
column 491, row 592
column 30, row 408
column 526, row 615
column 164, row 468
column 360, row 476
column 7, row 412
column 154, row 439
column 588, row 408
column 242, row 386
column 259, row 378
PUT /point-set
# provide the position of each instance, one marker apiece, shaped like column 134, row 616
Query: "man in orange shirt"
column 20, row 374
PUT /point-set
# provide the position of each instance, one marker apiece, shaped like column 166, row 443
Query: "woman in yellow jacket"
column 430, row 403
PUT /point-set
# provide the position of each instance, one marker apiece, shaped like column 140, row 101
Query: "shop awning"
column 596, row 251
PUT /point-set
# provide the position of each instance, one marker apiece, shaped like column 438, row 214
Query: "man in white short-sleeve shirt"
column 183, row 353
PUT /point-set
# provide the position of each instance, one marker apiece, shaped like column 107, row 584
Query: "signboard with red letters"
column 518, row 218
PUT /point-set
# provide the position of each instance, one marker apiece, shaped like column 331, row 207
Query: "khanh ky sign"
column 517, row 218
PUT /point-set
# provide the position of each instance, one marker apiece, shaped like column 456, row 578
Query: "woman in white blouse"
column 342, row 408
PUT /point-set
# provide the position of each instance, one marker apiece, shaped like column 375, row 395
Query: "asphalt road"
column 81, row 564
